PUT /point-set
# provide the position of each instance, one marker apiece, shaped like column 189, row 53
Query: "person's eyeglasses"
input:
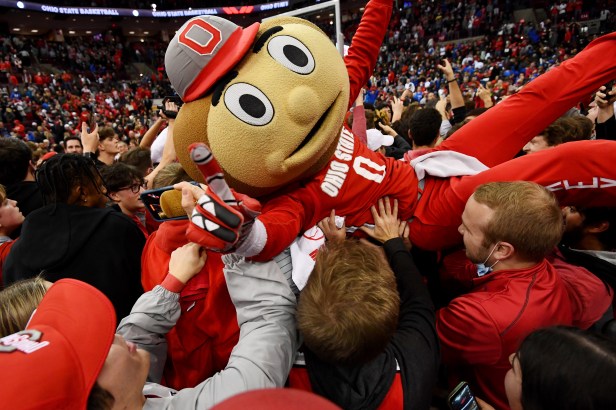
column 135, row 188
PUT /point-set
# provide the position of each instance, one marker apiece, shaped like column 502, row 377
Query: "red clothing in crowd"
column 590, row 296
column 481, row 329
column 5, row 248
column 5, row 66
column 494, row 138
column 394, row 400
column 354, row 172
column 201, row 342
column 19, row 129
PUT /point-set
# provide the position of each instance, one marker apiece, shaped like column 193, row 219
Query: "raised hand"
column 604, row 97
column 397, row 107
column 332, row 232
column 386, row 222
column 447, row 69
column 404, row 233
column 89, row 139
column 221, row 218
column 187, row 261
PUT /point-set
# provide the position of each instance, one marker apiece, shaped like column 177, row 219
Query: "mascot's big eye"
column 249, row 104
column 292, row 54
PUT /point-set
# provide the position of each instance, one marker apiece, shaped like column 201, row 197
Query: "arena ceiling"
column 27, row 21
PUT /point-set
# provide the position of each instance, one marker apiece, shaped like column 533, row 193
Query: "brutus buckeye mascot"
column 264, row 114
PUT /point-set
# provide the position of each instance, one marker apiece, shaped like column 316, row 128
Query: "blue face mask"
column 482, row 269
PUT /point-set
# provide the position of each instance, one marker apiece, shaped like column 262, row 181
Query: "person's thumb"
column 188, row 201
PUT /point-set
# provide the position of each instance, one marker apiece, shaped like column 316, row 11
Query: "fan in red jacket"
column 508, row 229
column 201, row 342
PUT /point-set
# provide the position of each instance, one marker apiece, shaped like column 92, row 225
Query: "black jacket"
column 99, row 246
column 414, row 347
column 28, row 197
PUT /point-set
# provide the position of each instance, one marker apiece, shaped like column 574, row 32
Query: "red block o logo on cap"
column 193, row 44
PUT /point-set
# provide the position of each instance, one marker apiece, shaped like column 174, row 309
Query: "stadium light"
column 135, row 13
column 20, row 4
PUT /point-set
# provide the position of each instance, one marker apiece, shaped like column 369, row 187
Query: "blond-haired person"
column 367, row 320
column 18, row 301
column 508, row 228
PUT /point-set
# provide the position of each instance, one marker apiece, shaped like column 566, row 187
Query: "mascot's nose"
column 303, row 105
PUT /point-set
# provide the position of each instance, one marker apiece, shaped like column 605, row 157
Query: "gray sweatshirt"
column 265, row 351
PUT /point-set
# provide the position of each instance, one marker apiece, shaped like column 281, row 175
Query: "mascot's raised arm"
column 268, row 102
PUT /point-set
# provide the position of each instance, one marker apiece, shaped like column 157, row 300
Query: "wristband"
column 172, row 284
column 451, row 81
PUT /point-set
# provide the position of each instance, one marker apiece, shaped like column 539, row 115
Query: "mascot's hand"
column 214, row 225
column 223, row 216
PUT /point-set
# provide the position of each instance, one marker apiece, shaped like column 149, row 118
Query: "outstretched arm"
column 157, row 311
column 366, row 45
column 499, row 134
column 268, row 338
column 415, row 341
column 455, row 95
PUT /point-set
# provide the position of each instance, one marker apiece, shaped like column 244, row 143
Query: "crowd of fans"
column 523, row 311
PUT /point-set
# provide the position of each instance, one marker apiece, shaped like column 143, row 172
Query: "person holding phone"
column 201, row 342
column 508, row 229
column 605, row 123
column 563, row 368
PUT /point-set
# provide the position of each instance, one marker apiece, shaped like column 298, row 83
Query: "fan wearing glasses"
column 124, row 186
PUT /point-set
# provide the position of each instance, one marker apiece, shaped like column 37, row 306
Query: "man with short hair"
column 107, row 145
column 72, row 145
column 424, row 131
column 508, row 229
column 368, row 322
column 140, row 158
column 586, row 260
column 124, row 186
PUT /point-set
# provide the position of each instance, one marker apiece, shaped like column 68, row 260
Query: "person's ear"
column 77, row 196
column 598, row 227
column 114, row 196
column 504, row 250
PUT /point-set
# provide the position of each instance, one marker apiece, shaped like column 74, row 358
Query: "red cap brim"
column 78, row 324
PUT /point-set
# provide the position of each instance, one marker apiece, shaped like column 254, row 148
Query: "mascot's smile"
column 314, row 130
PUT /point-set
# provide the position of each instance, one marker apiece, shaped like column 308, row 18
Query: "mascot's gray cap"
column 202, row 51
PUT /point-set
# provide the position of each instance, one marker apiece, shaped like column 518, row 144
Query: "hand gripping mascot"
column 267, row 104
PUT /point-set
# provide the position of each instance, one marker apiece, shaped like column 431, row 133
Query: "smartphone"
column 173, row 98
column 608, row 88
column 151, row 200
column 461, row 398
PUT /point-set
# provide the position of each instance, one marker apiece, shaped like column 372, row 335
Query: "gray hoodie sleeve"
column 150, row 319
column 268, row 340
